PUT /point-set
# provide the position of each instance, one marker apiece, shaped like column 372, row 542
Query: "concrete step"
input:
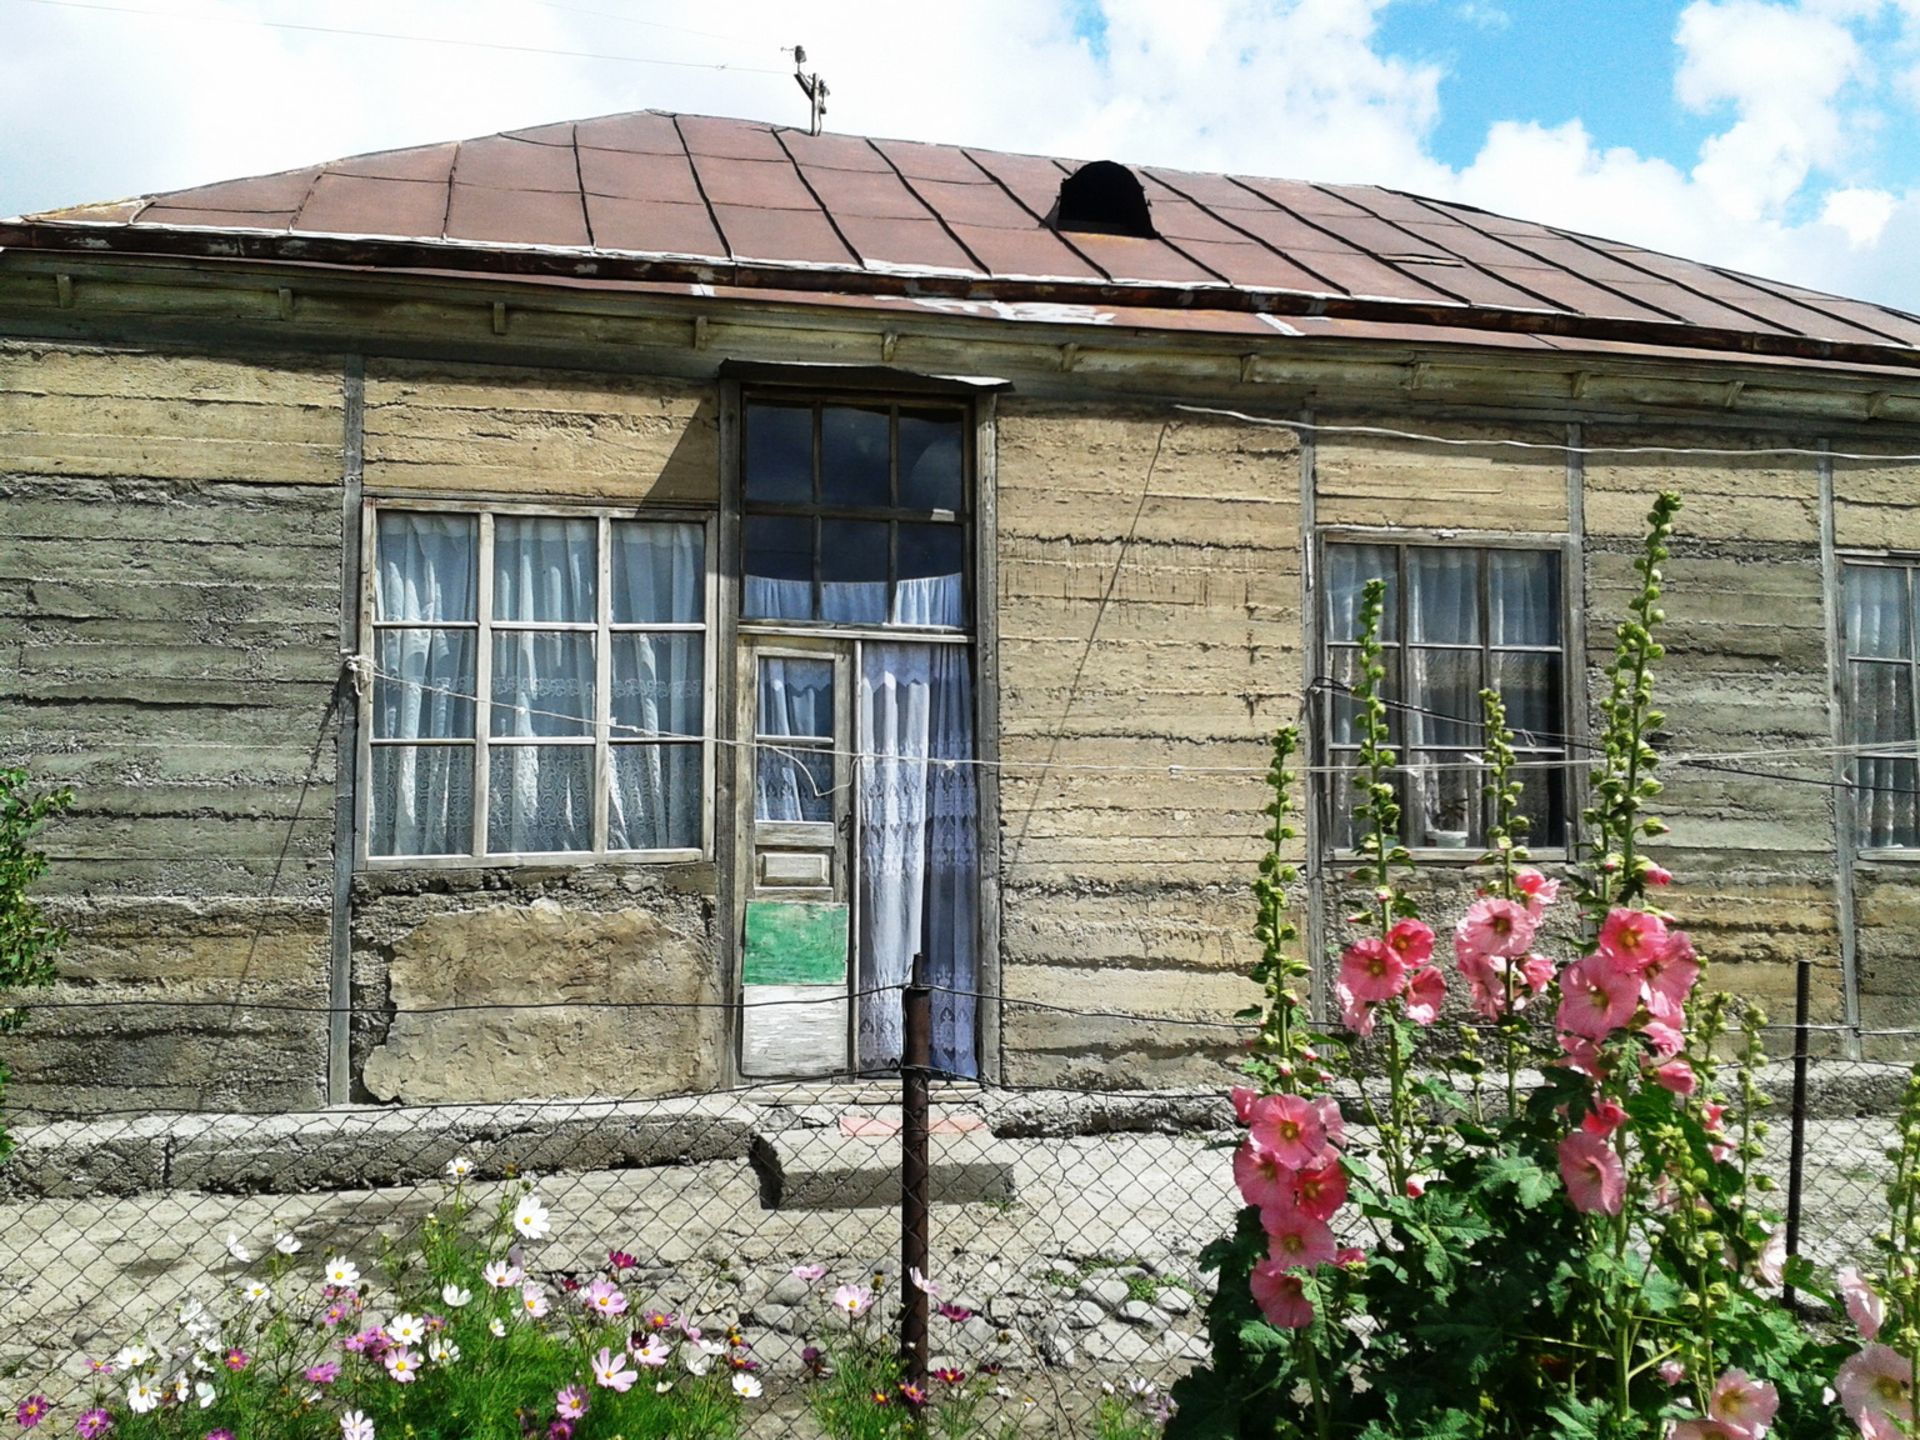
column 831, row 1169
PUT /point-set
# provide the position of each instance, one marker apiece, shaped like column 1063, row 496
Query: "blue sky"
column 1777, row 136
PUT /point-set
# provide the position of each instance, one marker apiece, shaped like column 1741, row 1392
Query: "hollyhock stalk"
column 1504, row 853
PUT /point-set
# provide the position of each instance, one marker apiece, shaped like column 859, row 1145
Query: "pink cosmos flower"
column 533, row 1301
column 402, row 1364
column 1290, row 1128
column 1873, row 1384
column 1280, row 1295
column 325, row 1373
column 1633, row 939
column 1426, row 992
column 1603, row 1117
column 1295, row 1239
column 1318, row 1192
column 1539, row 890
column 32, row 1410
column 610, row 1371
column 1864, row 1305
column 1595, row 1181
column 92, row 1424
column 1495, row 926
column 854, row 1299
column 1596, row 998
column 1355, row 1014
column 1412, row 941
column 603, row 1298
column 1243, row 1099
column 1262, row 1179
column 808, row 1274
column 1677, row 1076
column 1743, row 1405
column 1371, row 972
column 956, row 1313
column 570, row 1402
column 618, row 1260
column 237, row 1359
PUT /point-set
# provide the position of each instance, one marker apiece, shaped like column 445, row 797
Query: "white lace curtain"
column 1880, row 704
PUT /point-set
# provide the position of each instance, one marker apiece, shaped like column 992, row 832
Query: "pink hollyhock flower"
column 1595, row 998
column 1290, row 1127
column 1349, row 1255
column 1771, row 1264
column 1416, row 1186
column 1537, row 973
column 1486, row 983
column 1677, row 1076
column 1356, row 1014
column 1412, row 941
column 1656, row 874
column 1280, row 1295
column 1332, row 1121
column 1672, row 1371
column 1633, row 939
column 1864, row 1305
column 1371, row 972
column 1700, row 1430
column 1495, row 926
column 1603, row 1117
column 1426, row 992
column 570, row 1402
column 1320, row 1190
column 1243, row 1099
column 1595, row 1181
column 1539, row 890
column 1585, row 1057
column 1295, row 1238
column 1665, row 1039
column 1671, row 977
column 1873, row 1384
column 1742, row 1404
column 1262, row 1179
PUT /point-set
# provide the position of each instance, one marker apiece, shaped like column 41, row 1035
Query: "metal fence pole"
column 916, row 1171
column 1797, row 1133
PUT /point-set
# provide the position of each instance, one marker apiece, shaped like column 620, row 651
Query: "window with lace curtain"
column 1459, row 619
column 539, row 685
column 1879, row 621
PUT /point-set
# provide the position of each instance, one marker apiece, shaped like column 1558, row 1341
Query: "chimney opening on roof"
column 1103, row 197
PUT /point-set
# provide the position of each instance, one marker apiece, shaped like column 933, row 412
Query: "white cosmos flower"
column 288, row 1244
column 453, row 1296
column 459, row 1167
column 531, row 1219
column 442, row 1351
column 663, row 1387
column 204, row 1393
column 236, row 1249
column 195, row 1319
column 256, row 1290
column 343, row 1273
column 181, row 1389
column 354, row 1425
column 745, row 1386
column 143, row 1395
column 502, row 1274
column 133, row 1356
column 407, row 1329
column 497, row 1326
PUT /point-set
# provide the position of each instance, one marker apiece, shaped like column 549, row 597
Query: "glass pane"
column 422, row 800
column 1880, row 712
column 1349, row 567
column 659, row 685
column 1530, row 686
column 779, row 453
column 424, row 566
column 932, row 452
column 1523, row 594
column 546, row 569
column 1345, row 665
column 539, row 798
column 1443, row 698
column 659, row 574
column 543, row 683
column 1443, row 596
column 853, row 571
column 1346, row 832
column 854, row 458
column 932, row 589
column 1880, row 703
column 1543, row 800
column 779, row 569
column 423, row 685
column 1885, row 802
column 1877, row 618
column 796, row 698
column 656, row 799
column 793, row 785
column 1445, row 787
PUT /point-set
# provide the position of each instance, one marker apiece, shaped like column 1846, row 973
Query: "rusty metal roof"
column 734, row 204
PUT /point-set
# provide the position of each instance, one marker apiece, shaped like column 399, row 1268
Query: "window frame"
column 964, row 519
column 1909, row 562
column 602, row 628
column 1572, row 721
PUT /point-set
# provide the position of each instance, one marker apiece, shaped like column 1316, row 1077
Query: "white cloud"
column 96, row 105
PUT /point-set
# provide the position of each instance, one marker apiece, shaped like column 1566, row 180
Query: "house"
column 505, row 604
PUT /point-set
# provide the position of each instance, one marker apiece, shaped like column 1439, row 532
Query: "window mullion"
column 483, row 684
column 602, row 685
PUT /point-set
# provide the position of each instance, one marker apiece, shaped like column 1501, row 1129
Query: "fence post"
column 916, row 1171
column 1797, row 1132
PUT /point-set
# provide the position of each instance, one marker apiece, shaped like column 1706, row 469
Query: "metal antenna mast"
column 814, row 87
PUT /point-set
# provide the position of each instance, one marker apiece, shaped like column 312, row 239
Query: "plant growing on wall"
column 1587, row 1256
column 28, row 941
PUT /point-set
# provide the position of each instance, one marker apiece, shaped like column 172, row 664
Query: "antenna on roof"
column 814, row 87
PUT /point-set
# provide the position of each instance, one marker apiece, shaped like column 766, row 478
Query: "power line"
column 339, row 30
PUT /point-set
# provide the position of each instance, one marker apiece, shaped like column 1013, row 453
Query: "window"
column 1881, row 656
column 1458, row 620
column 855, row 514
column 586, row 633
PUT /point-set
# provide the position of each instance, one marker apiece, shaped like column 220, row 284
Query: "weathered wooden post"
column 916, row 1170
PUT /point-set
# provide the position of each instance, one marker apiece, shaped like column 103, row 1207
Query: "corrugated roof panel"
column 363, row 205
column 516, row 217
column 639, row 175
column 762, row 184
column 502, row 164
column 654, row 227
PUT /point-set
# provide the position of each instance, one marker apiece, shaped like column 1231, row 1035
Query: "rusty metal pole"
column 916, row 1170
column 1797, row 1135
